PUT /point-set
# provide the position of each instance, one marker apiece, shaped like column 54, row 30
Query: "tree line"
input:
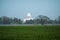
column 40, row 19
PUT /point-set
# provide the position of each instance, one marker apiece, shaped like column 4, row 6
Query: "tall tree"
column 0, row 20
column 57, row 20
column 5, row 20
column 16, row 21
column 41, row 19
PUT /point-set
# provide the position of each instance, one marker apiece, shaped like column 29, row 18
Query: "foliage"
column 7, row 20
column 40, row 19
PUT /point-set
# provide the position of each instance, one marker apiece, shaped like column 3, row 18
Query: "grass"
column 29, row 32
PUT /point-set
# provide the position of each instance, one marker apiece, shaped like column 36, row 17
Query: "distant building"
column 28, row 17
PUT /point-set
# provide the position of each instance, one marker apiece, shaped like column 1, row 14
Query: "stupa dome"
column 28, row 17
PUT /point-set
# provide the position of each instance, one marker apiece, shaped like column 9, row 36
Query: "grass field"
column 29, row 32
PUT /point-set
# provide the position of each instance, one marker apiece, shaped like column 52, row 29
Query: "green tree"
column 40, row 19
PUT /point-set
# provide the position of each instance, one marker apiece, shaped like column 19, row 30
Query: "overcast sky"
column 20, row 8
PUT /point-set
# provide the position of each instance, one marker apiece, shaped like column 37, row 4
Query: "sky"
column 20, row 8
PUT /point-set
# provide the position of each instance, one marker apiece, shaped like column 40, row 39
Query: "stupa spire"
column 28, row 17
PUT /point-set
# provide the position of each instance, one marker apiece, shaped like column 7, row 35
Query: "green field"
column 29, row 32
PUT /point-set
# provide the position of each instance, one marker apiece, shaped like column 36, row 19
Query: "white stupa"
column 28, row 17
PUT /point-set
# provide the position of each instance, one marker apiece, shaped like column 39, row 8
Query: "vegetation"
column 7, row 20
column 40, row 19
column 29, row 32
